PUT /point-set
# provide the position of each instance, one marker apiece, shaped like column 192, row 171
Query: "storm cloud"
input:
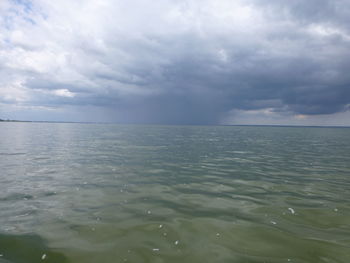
column 175, row 62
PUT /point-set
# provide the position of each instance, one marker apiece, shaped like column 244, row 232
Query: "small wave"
column 12, row 154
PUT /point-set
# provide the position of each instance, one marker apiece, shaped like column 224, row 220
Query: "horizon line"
column 169, row 124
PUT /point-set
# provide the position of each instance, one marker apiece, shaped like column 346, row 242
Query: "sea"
column 106, row 193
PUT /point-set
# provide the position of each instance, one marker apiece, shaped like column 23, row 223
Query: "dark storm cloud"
column 312, row 11
column 184, row 61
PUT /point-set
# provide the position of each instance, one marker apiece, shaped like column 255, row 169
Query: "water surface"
column 114, row 193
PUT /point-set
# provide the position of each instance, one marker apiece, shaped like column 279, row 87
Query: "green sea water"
column 112, row 193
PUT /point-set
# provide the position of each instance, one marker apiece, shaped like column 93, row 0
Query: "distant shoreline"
column 51, row 121
column 12, row 121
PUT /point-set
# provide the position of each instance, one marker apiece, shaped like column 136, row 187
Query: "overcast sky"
column 176, row 61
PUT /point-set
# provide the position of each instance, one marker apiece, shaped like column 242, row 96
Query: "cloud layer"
column 183, row 61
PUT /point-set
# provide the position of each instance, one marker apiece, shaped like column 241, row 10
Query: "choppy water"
column 108, row 193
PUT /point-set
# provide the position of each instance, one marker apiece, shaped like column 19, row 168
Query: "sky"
column 176, row 61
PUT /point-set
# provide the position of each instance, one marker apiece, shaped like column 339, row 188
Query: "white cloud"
column 63, row 93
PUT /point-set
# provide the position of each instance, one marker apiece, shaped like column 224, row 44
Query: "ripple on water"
column 106, row 193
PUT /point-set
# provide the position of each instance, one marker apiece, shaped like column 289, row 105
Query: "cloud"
column 183, row 61
column 63, row 93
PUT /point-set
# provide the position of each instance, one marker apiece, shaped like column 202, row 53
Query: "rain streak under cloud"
column 176, row 62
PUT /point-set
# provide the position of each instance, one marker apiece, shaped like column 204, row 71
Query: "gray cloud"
column 192, row 62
